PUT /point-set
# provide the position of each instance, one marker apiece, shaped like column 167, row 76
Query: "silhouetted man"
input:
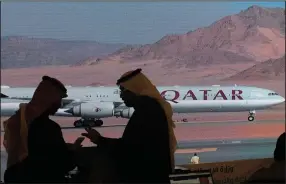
column 36, row 148
column 145, row 152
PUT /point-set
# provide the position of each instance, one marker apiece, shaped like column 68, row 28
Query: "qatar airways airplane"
column 94, row 103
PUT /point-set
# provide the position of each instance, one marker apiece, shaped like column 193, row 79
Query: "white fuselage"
column 184, row 99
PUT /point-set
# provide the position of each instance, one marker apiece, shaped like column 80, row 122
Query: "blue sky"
column 122, row 22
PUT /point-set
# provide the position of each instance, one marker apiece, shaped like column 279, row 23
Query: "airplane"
column 94, row 103
column 8, row 108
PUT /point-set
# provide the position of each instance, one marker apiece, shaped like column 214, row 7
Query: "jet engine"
column 126, row 113
column 93, row 110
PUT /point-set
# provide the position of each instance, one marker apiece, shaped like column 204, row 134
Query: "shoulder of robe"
column 150, row 106
column 44, row 122
column 11, row 122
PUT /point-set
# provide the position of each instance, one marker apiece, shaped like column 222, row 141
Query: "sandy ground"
column 183, row 133
column 277, row 112
column 108, row 72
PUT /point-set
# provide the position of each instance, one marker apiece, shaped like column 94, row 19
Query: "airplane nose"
column 282, row 99
column 278, row 100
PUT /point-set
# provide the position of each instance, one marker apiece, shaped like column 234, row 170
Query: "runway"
column 205, row 123
column 230, row 122
column 228, row 150
column 193, row 123
column 213, row 150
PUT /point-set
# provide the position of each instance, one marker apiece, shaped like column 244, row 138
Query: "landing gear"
column 78, row 123
column 98, row 122
column 251, row 116
column 88, row 122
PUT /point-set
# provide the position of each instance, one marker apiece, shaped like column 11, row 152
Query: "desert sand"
column 107, row 73
column 185, row 133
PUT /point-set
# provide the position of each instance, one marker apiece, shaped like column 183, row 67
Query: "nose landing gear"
column 251, row 116
column 88, row 122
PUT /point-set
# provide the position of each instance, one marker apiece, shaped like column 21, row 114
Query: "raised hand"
column 92, row 134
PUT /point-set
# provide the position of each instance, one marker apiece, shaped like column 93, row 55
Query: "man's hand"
column 78, row 141
column 76, row 145
column 92, row 134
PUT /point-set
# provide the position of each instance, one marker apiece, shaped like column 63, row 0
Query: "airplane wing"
column 4, row 96
column 66, row 102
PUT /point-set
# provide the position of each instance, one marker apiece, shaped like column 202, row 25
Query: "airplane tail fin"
column 4, row 96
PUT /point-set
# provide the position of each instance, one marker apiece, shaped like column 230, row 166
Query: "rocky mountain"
column 254, row 34
column 270, row 69
column 20, row 52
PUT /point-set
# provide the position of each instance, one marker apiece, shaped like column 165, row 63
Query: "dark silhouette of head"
column 128, row 97
column 47, row 98
column 279, row 152
column 131, row 80
column 62, row 91
column 195, row 154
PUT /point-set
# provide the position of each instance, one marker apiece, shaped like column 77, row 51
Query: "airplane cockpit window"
column 272, row 94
